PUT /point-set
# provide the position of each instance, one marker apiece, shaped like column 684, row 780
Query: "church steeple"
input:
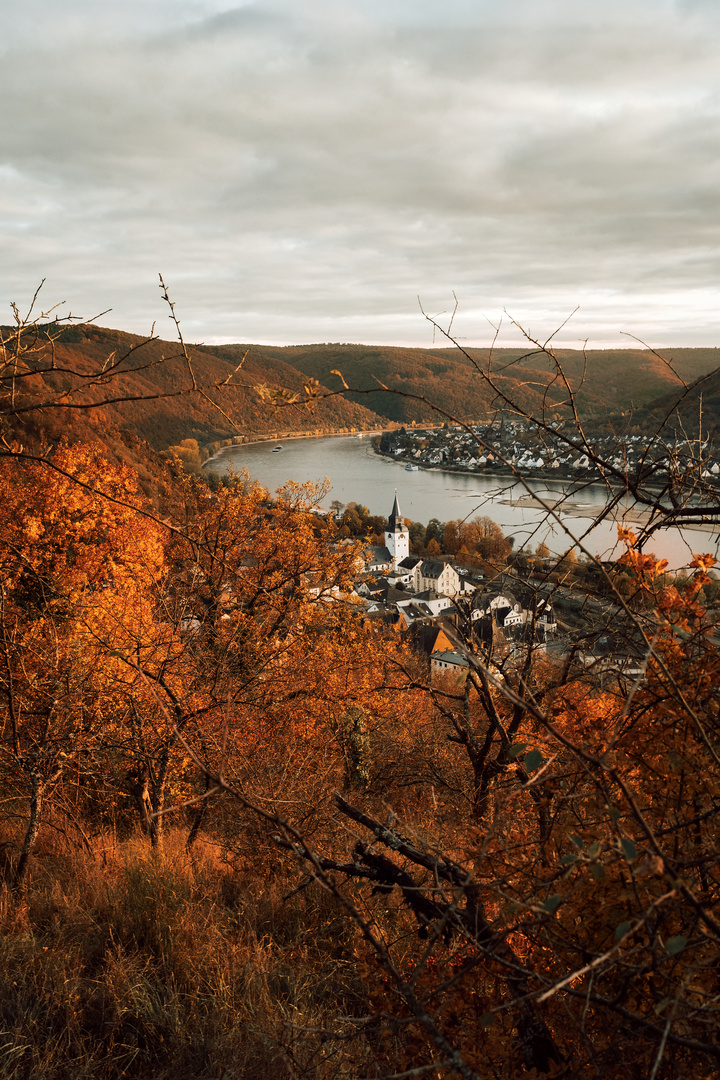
column 395, row 521
column 397, row 538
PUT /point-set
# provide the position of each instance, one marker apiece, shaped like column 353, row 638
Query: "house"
column 508, row 622
column 430, row 637
column 405, row 570
column 381, row 591
column 502, row 608
column 449, row 662
column 432, row 602
column 378, row 559
column 510, row 609
column 439, row 575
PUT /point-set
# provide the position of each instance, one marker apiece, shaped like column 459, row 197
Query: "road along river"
column 357, row 474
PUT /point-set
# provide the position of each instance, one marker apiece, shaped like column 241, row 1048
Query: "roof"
column 432, row 568
column 429, row 594
column 449, row 656
column 378, row 556
column 430, row 637
column 395, row 521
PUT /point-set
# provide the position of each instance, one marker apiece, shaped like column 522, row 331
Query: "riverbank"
column 499, row 472
column 280, row 438
column 625, row 515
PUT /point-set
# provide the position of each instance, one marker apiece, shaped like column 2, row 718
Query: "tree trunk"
column 37, row 792
column 137, row 782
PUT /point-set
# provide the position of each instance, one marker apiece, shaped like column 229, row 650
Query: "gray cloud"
column 303, row 172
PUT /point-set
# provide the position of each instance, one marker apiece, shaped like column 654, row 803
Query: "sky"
column 316, row 170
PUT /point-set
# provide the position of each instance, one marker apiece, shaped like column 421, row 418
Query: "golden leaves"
column 626, row 536
column 703, row 562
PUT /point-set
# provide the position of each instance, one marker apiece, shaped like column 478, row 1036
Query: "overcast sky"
column 302, row 171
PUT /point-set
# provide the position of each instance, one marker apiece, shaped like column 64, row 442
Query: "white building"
column 397, row 538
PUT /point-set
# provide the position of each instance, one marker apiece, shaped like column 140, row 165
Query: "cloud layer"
column 302, row 172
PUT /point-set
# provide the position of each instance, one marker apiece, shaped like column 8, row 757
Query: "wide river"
column 357, row 474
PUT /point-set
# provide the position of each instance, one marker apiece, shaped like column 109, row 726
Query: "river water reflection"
column 357, row 474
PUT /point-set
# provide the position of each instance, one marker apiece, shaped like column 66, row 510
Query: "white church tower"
column 397, row 538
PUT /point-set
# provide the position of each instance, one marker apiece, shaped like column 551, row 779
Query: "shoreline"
column 564, row 505
column 502, row 473
column 297, row 437
column 591, row 511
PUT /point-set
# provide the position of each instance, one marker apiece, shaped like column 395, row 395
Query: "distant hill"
column 698, row 413
column 617, row 380
column 605, row 382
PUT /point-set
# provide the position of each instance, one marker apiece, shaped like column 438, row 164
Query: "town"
column 453, row 609
column 553, row 452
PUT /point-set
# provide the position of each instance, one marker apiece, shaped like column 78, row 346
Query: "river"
column 357, row 474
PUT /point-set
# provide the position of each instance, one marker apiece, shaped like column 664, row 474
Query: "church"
column 397, row 537
column 397, row 543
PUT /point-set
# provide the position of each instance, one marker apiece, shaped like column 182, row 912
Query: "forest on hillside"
column 137, row 395
column 244, row 833
column 605, row 383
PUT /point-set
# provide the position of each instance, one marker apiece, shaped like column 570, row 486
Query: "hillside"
column 698, row 412
column 145, row 393
column 604, row 381
column 443, row 377
column 630, row 379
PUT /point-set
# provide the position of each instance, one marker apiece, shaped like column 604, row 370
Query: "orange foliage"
column 553, row 885
column 578, row 911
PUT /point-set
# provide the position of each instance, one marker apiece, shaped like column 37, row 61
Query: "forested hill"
column 146, row 392
column 604, row 381
column 698, row 413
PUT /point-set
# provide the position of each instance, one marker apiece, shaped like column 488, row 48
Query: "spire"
column 397, row 538
column 395, row 521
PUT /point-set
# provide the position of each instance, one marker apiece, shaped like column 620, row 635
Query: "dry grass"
column 117, row 962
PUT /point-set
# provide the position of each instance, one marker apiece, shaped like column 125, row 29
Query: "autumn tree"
column 189, row 453
column 80, row 572
column 417, row 533
column 270, row 657
column 435, row 530
column 480, row 537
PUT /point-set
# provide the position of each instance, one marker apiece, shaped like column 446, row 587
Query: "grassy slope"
column 117, row 962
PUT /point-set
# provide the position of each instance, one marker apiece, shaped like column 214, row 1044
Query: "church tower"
column 397, row 538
